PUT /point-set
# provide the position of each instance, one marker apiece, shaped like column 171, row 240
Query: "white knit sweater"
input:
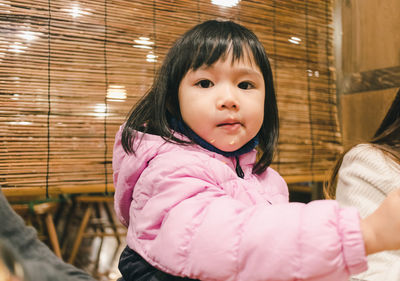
column 366, row 176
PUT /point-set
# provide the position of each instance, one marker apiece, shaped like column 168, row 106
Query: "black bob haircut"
column 204, row 44
column 387, row 137
column 389, row 130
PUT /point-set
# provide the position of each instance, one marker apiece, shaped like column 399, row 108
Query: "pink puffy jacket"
column 189, row 214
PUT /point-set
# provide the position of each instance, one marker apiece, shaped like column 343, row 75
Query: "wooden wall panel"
column 370, row 65
column 371, row 36
column 362, row 113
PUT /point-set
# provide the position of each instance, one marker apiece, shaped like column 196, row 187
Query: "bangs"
column 212, row 43
column 210, row 51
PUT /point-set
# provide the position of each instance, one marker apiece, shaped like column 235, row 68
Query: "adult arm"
column 40, row 262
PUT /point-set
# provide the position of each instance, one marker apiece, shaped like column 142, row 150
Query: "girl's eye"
column 245, row 85
column 204, row 83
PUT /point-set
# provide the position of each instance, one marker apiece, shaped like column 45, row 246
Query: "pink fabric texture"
column 189, row 214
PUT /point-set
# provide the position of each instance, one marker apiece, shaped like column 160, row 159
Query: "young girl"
column 197, row 199
column 368, row 173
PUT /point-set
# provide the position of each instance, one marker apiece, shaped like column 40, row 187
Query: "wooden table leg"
column 79, row 236
column 53, row 235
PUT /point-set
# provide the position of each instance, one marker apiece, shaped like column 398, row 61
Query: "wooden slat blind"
column 71, row 70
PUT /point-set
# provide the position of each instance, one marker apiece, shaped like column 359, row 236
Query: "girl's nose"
column 227, row 99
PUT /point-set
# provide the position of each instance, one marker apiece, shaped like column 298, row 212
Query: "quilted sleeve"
column 184, row 223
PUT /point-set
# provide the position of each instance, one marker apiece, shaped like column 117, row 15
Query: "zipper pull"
column 239, row 170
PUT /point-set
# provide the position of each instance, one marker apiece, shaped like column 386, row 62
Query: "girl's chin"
column 229, row 146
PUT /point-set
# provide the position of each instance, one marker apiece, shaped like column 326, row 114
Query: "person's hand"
column 381, row 229
column 10, row 268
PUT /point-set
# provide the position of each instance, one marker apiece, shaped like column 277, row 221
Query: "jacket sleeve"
column 189, row 226
column 38, row 260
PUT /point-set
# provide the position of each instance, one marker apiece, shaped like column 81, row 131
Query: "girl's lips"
column 230, row 126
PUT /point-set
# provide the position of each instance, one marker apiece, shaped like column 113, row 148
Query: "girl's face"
column 224, row 103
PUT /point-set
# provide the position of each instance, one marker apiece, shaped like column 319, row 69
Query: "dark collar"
column 180, row 127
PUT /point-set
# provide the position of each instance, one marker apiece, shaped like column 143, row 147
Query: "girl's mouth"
column 230, row 126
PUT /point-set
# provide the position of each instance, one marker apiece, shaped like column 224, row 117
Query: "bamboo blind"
column 71, row 70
